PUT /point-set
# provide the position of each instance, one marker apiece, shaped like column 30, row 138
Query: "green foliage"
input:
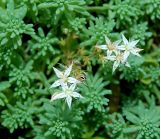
column 37, row 35
column 3, row 98
column 94, row 93
column 5, row 54
column 23, row 92
column 41, row 45
column 152, row 8
column 116, row 126
column 64, row 8
column 146, row 121
column 134, row 73
column 17, row 116
column 32, row 7
column 62, row 122
column 126, row 12
column 151, row 79
column 151, row 75
column 12, row 25
column 96, row 31
column 77, row 25
column 22, row 75
column 140, row 32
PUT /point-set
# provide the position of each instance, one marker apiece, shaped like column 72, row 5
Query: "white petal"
column 62, row 82
column 76, row 95
column 58, row 96
column 68, row 70
column 73, row 86
column 64, row 87
column 109, row 52
column 133, row 43
column 107, row 40
column 112, row 58
column 69, row 101
column 73, row 80
column 121, row 47
column 56, row 83
column 135, row 52
column 125, row 41
column 127, row 64
column 116, row 43
column 117, row 53
column 125, row 55
column 138, row 49
column 58, row 73
column 115, row 65
column 104, row 47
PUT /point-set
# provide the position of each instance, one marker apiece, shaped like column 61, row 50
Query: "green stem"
column 151, row 61
column 97, row 8
column 115, row 98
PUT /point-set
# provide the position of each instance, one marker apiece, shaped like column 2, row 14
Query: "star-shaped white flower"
column 67, row 93
column 109, row 46
column 129, row 47
column 64, row 77
column 118, row 59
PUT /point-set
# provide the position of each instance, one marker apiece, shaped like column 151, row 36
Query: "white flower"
column 64, row 77
column 118, row 59
column 129, row 47
column 67, row 93
column 109, row 46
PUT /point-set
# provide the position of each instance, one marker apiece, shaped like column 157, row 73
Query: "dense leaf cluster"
column 36, row 35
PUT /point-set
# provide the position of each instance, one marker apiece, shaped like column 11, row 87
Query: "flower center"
column 119, row 57
column 111, row 46
column 127, row 48
column 64, row 78
column 68, row 91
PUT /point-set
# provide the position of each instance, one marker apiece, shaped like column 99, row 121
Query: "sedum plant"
column 6, row 54
column 18, row 116
column 152, row 8
column 116, row 126
column 42, row 44
column 96, row 31
column 21, row 75
column 60, row 123
column 64, row 8
column 145, row 121
column 12, row 25
column 126, row 12
column 79, row 69
column 140, row 32
column 32, row 7
column 3, row 87
column 94, row 98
